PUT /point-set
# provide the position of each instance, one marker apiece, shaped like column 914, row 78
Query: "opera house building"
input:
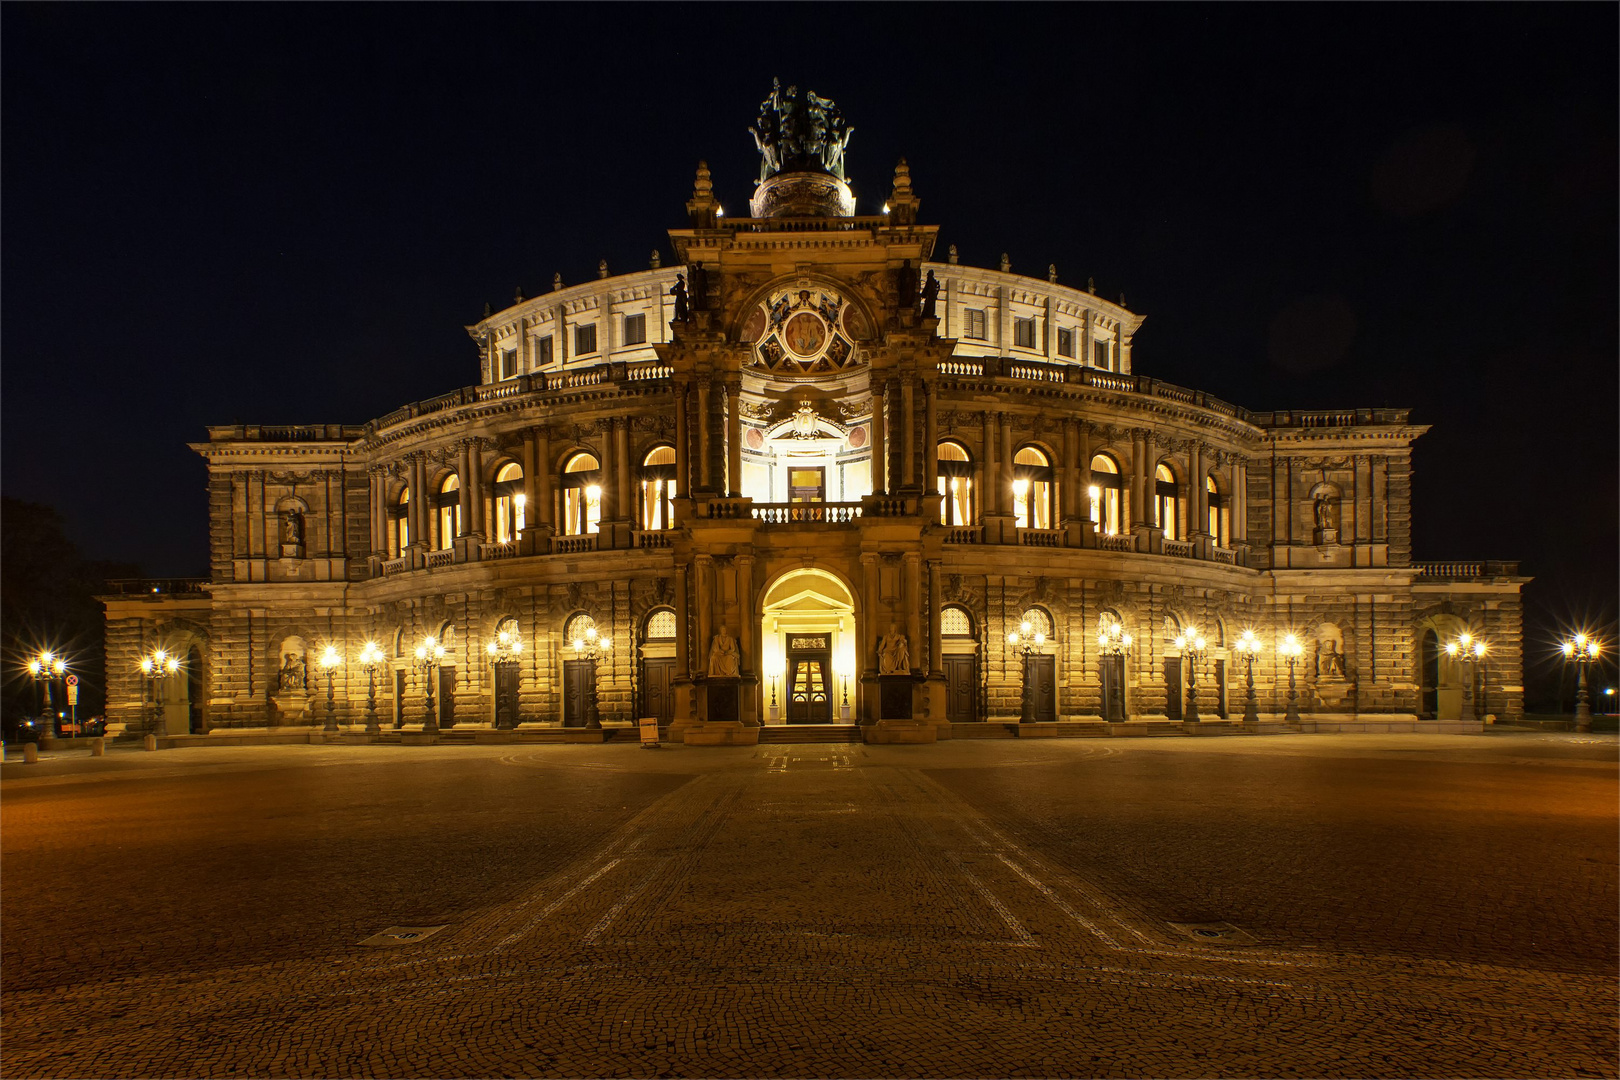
column 808, row 475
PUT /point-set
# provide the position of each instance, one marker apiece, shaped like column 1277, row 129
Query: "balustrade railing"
column 1223, row 555
column 1179, row 549
column 1040, row 537
column 573, row 545
column 436, row 559
column 807, row 513
column 965, row 534
column 1116, row 543
column 1465, row 571
column 506, row 550
column 156, row 586
column 650, row 538
column 395, row 566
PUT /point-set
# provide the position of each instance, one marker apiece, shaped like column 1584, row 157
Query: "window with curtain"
column 955, row 484
column 1032, row 489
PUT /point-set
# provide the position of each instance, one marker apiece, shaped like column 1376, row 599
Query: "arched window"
column 658, row 488
column 954, row 621
column 399, row 525
column 1039, row 623
column 661, row 625
column 1220, row 513
column 956, row 484
column 581, row 495
column 509, row 502
column 1106, row 486
column 1032, row 489
column 448, row 504
column 1167, row 502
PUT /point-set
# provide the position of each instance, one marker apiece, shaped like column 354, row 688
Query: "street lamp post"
column 371, row 658
column 1248, row 647
column 592, row 647
column 1582, row 650
column 1192, row 646
column 1025, row 642
column 1471, row 651
column 155, row 667
column 46, row 668
column 428, row 655
column 504, row 651
column 329, row 662
column 1291, row 650
column 1113, row 643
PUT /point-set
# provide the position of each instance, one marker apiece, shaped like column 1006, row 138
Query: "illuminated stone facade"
column 808, row 453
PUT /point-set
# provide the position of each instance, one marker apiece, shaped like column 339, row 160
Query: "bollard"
column 98, row 747
column 30, row 753
column 151, row 742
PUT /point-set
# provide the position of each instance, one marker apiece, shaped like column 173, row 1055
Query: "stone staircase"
column 810, row 733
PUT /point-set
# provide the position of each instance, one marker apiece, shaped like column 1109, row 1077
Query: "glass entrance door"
column 809, row 679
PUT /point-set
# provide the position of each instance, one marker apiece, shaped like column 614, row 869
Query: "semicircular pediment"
column 806, row 328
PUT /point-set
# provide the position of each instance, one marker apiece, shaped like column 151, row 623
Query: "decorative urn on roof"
column 801, row 144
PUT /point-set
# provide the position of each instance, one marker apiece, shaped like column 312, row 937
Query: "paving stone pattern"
column 1402, row 907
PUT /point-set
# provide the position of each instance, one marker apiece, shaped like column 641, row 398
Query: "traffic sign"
column 73, row 680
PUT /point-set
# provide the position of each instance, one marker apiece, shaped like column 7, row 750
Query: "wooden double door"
column 1040, row 689
column 961, row 688
column 810, row 687
column 657, row 695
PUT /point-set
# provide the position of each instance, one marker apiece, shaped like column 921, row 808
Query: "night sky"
column 287, row 213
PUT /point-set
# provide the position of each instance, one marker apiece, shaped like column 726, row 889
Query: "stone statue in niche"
column 292, row 535
column 1326, row 512
column 930, row 296
column 683, row 310
column 1329, row 660
column 725, row 661
column 294, row 672
column 894, row 653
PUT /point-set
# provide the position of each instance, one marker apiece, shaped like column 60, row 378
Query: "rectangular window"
column 1100, row 354
column 635, row 329
column 542, row 351
column 1024, row 333
column 973, row 324
column 508, row 363
column 1065, row 342
column 584, row 340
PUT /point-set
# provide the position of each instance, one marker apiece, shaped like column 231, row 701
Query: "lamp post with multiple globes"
column 1471, row 651
column 371, row 658
column 1113, row 643
column 1581, row 650
column 1249, row 648
column 156, row 666
column 505, row 650
column 1192, row 646
column 428, row 655
column 45, row 668
column 1291, row 650
column 1024, row 643
column 592, row 647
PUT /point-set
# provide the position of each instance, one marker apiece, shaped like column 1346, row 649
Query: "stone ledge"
column 895, row 732
column 721, row 733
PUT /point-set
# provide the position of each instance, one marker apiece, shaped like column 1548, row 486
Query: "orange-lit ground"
column 1379, row 905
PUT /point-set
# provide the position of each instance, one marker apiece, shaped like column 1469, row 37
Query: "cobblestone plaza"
column 1321, row 905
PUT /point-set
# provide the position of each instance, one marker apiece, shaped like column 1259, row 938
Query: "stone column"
column 936, row 666
column 989, row 495
column 683, row 658
column 683, row 454
column 914, row 605
column 880, row 445
column 545, row 508
column 1069, row 497
column 420, row 511
column 621, row 451
column 704, row 468
column 869, row 613
column 379, row 529
column 1004, row 472
column 908, row 459
column 705, row 611
column 746, row 623
column 1083, row 476
column 1240, row 500
column 733, row 440
column 475, row 480
column 930, row 438
column 1198, row 497
column 465, row 493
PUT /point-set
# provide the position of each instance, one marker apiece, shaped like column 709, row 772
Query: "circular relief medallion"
column 804, row 334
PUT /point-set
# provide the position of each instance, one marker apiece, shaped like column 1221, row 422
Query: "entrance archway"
column 808, row 633
column 1441, row 679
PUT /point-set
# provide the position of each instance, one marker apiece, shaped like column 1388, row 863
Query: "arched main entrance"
column 808, row 633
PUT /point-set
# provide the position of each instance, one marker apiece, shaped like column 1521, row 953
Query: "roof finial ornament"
column 702, row 208
column 1006, row 263
column 1091, row 285
column 556, row 282
column 488, row 310
column 903, row 204
column 1051, row 272
column 657, row 259
column 601, row 269
column 517, row 295
column 951, row 258
column 1121, row 299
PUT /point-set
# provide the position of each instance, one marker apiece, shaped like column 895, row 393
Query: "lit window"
column 973, row 324
column 582, row 495
column 399, row 525
column 1024, row 333
column 955, row 622
column 1106, row 486
column 1065, row 342
column 658, row 488
column 1167, row 502
column 956, row 484
column 661, row 626
column 542, row 351
column 584, row 340
column 635, row 329
column 508, row 363
column 449, row 506
column 1032, row 489
column 1220, row 513
column 509, row 502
